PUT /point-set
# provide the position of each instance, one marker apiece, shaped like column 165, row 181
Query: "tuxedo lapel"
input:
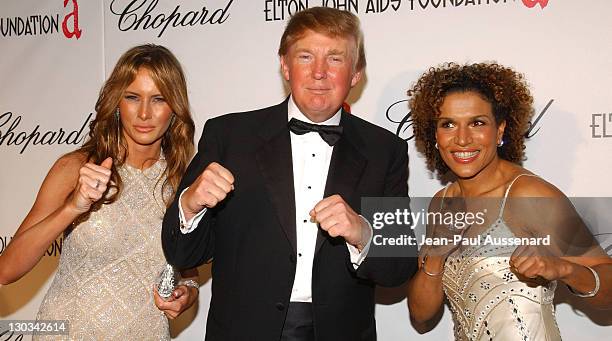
column 346, row 167
column 274, row 161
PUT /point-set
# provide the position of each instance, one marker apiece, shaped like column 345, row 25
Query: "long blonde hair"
column 104, row 131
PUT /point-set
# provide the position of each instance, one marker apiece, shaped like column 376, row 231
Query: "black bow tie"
column 329, row 134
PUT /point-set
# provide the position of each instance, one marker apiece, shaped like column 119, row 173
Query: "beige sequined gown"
column 487, row 300
column 109, row 264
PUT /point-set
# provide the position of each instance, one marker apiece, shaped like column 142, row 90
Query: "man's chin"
column 319, row 116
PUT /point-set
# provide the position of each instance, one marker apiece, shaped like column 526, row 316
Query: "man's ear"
column 284, row 68
column 356, row 78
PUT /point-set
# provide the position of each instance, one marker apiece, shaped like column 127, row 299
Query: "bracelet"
column 592, row 292
column 190, row 283
column 429, row 273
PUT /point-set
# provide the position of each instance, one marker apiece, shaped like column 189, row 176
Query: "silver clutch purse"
column 167, row 282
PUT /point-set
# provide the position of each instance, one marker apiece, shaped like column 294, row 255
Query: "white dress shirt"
column 311, row 157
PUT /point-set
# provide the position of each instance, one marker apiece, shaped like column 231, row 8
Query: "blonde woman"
column 108, row 199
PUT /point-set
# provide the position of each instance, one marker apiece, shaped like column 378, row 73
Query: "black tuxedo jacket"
column 250, row 237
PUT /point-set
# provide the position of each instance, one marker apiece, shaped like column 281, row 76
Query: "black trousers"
column 299, row 324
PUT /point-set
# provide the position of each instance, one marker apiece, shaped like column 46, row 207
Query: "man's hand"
column 181, row 299
column 336, row 217
column 209, row 189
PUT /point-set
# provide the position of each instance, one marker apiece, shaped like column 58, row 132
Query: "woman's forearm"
column 583, row 281
column 425, row 294
column 27, row 247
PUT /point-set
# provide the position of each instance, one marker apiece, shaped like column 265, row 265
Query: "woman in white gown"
column 108, row 198
column 470, row 120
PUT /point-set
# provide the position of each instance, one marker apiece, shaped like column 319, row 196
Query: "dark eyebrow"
column 479, row 116
column 471, row 117
column 441, row 118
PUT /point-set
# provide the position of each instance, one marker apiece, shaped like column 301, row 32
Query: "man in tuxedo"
column 273, row 195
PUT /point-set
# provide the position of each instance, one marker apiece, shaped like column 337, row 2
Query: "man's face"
column 320, row 72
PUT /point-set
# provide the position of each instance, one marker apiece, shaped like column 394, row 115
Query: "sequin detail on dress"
column 109, row 264
column 488, row 302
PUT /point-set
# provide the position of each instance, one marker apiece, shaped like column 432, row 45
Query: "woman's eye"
column 131, row 97
column 447, row 124
column 478, row 123
column 159, row 99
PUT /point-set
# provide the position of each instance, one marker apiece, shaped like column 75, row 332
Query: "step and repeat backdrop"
column 55, row 55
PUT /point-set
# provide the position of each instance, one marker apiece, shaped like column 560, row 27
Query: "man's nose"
column 319, row 69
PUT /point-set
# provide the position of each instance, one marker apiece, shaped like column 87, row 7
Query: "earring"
column 436, row 145
column 172, row 119
column 118, row 121
column 501, row 143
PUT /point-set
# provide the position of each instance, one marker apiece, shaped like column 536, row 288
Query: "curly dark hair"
column 504, row 88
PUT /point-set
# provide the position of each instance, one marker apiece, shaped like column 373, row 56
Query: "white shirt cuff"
column 189, row 226
column 356, row 256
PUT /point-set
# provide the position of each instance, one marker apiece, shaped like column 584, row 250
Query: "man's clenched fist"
column 210, row 188
column 336, row 217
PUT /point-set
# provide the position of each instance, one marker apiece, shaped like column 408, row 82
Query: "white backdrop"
column 51, row 76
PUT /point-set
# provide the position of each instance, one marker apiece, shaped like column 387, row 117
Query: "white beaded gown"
column 109, row 264
column 487, row 300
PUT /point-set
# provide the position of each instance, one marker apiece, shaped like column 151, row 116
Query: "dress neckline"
column 153, row 170
column 505, row 198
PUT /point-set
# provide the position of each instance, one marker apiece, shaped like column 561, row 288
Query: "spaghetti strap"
column 444, row 195
column 503, row 204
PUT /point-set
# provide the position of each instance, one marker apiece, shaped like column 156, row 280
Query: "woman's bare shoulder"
column 534, row 186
